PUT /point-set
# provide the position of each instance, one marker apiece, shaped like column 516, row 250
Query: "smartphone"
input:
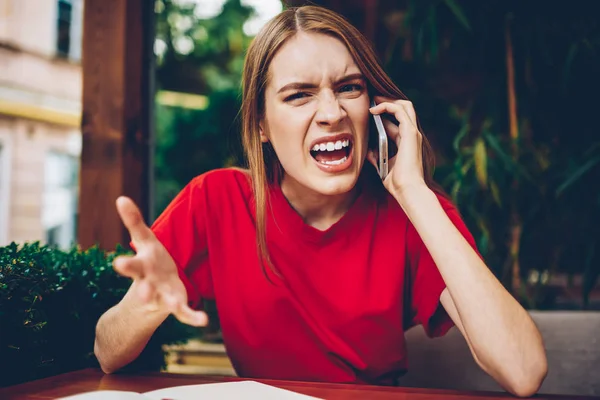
column 382, row 145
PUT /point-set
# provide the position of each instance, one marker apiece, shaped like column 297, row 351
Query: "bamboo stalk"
column 515, row 218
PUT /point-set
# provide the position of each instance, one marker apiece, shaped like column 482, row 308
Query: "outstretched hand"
column 156, row 279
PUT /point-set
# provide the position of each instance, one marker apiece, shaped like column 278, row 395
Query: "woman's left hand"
column 406, row 167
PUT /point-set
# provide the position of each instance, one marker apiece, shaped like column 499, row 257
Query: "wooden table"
column 93, row 379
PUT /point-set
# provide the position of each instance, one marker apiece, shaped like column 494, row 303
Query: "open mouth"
column 333, row 152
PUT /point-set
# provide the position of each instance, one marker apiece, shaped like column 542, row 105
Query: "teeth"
column 336, row 162
column 331, row 146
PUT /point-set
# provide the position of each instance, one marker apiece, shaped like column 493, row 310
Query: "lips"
column 331, row 138
column 332, row 153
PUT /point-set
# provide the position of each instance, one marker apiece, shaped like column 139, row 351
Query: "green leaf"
column 455, row 190
column 569, row 62
column 508, row 161
column 496, row 193
column 577, row 174
column 480, row 157
column 460, row 136
column 466, row 167
column 458, row 13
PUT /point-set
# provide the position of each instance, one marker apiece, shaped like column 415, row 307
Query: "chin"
column 324, row 181
column 335, row 185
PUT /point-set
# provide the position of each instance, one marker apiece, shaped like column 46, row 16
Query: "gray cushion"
column 572, row 344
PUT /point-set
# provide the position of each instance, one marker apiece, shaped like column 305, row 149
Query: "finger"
column 129, row 266
column 405, row 103
column 410, row 110
column 391, row 106
column 183, row 312
column 397, row 110
column 393, row 109
column 133, row 220
column 410, row 121
column 188, row 316
column 389, row 126
column 389, row 122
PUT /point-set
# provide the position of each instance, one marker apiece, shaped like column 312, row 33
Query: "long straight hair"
column 265, row 168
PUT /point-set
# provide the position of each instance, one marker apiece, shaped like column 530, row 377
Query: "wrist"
column 411, row 194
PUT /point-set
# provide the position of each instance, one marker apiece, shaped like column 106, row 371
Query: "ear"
column 263, row 137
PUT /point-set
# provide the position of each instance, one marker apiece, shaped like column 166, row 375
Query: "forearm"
column 123, row 332
column 502, row 335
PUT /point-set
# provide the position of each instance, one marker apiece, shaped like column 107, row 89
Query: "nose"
column 329, row 113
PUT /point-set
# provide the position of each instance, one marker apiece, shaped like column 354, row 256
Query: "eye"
column 296, row 96
column 353, row 87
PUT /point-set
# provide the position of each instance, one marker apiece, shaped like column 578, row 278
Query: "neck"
column 317, row 210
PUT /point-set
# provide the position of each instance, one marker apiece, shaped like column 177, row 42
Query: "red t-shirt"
column 345, row 297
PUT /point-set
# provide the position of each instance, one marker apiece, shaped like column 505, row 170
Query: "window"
column 59, row 214
column 69, row 29
column 63, row 39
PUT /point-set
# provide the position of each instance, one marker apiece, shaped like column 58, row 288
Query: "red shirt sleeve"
column 181, row 228
column 425, row 280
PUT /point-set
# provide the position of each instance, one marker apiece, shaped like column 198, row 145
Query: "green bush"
column 50, row 302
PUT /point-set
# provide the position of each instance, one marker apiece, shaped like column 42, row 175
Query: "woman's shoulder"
column 223, row 181
column 222, row 176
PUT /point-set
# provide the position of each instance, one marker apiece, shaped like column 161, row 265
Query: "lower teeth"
column 336, row 162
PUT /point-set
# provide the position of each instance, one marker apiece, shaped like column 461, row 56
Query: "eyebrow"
column 304, row 85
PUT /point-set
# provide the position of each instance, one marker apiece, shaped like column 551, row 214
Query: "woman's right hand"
column 156, row 280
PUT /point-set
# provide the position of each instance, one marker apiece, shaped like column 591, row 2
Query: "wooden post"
column 116, row 159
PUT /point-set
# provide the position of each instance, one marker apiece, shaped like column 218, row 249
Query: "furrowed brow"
column 306, row 85
column 351, row 77
column 296, row 86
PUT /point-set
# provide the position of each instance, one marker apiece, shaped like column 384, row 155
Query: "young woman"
column 316, row 265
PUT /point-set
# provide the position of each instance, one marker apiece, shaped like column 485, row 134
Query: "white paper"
column 106, row 395
column 246, row 390
column 243, row 390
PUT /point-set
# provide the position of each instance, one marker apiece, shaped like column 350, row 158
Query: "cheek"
column 288, row 127
column 360, row 120
column 358, row 112
column 287, row 134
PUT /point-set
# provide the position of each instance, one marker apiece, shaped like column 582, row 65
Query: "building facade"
column 40, row 109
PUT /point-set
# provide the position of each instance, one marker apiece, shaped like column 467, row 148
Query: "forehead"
column 311, row 57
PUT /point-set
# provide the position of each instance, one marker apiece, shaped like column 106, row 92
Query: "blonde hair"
column 265, row 168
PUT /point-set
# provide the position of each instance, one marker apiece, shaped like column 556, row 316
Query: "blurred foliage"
column 200, row 55
column 50, row 302
column 192, row 141
column 451, row 58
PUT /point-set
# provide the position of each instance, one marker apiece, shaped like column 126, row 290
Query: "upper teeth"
column 331, row 146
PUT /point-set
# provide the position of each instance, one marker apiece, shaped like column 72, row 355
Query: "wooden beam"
column 116, row 126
